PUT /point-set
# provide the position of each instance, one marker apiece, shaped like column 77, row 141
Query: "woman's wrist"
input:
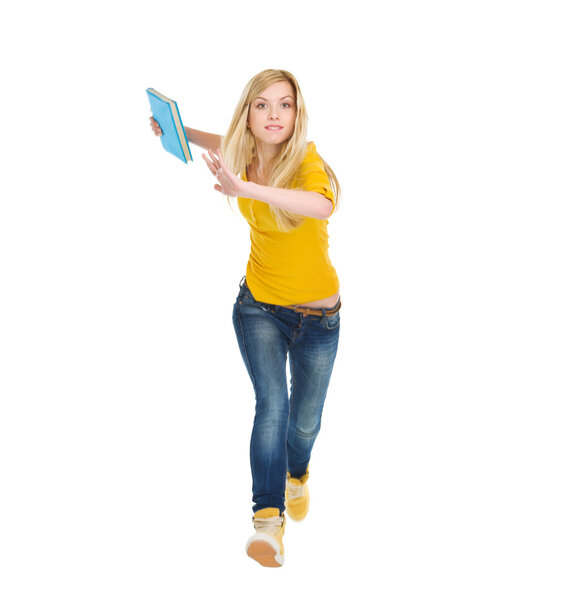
column 248, row 189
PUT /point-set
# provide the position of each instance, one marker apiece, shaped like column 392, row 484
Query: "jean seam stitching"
column 252, row 376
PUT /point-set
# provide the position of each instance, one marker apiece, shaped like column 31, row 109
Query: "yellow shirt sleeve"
column 312, row 176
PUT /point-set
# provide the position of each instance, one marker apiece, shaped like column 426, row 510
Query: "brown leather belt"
column 315, row 312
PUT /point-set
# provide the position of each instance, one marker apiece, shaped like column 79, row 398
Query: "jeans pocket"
column 332, row 322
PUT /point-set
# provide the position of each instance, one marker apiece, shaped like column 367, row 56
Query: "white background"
column 440, row 471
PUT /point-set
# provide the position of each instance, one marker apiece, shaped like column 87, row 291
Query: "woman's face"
column 273, row 113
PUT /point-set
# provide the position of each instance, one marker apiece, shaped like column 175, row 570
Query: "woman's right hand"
column 155, row 127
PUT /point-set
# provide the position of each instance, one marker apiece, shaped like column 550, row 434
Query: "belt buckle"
column 306, row 312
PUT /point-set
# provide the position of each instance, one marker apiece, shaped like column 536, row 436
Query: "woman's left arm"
column 307, row 204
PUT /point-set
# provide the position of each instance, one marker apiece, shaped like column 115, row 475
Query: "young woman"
column 288, row 303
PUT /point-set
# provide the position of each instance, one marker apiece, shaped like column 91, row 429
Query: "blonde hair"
column 239, row 144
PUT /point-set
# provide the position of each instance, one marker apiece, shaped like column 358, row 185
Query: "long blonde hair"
column 239, row 144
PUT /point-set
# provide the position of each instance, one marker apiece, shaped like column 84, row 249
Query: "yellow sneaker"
column 297, row 497
column 266, row 546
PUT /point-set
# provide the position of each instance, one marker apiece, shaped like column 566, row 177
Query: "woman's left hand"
column 229, row 184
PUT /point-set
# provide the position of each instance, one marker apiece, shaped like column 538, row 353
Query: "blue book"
column 165, row 112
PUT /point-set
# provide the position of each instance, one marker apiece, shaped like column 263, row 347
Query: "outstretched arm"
column 307, row 204
column 209, row 141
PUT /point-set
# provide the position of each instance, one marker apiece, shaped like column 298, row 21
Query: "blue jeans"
column 285, row 426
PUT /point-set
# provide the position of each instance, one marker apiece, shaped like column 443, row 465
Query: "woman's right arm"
column 209, row 141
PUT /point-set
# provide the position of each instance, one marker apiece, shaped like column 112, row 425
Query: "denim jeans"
column 285, row 425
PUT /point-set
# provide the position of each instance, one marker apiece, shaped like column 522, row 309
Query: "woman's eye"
column 286, row 105
column 261, row 105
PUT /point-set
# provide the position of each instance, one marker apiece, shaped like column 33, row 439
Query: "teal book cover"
column 165, row 111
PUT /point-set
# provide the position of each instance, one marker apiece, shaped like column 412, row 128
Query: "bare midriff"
column 325, row 303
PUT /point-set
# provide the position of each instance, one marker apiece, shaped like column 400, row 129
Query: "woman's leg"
column 312, row 356
column 263, row 345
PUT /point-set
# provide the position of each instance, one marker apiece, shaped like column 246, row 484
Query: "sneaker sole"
column 261, row 549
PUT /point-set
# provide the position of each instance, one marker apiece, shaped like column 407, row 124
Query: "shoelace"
column 294, row 491
column 271, row 525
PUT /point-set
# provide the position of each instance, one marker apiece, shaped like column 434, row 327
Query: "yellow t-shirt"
column 291, row 267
